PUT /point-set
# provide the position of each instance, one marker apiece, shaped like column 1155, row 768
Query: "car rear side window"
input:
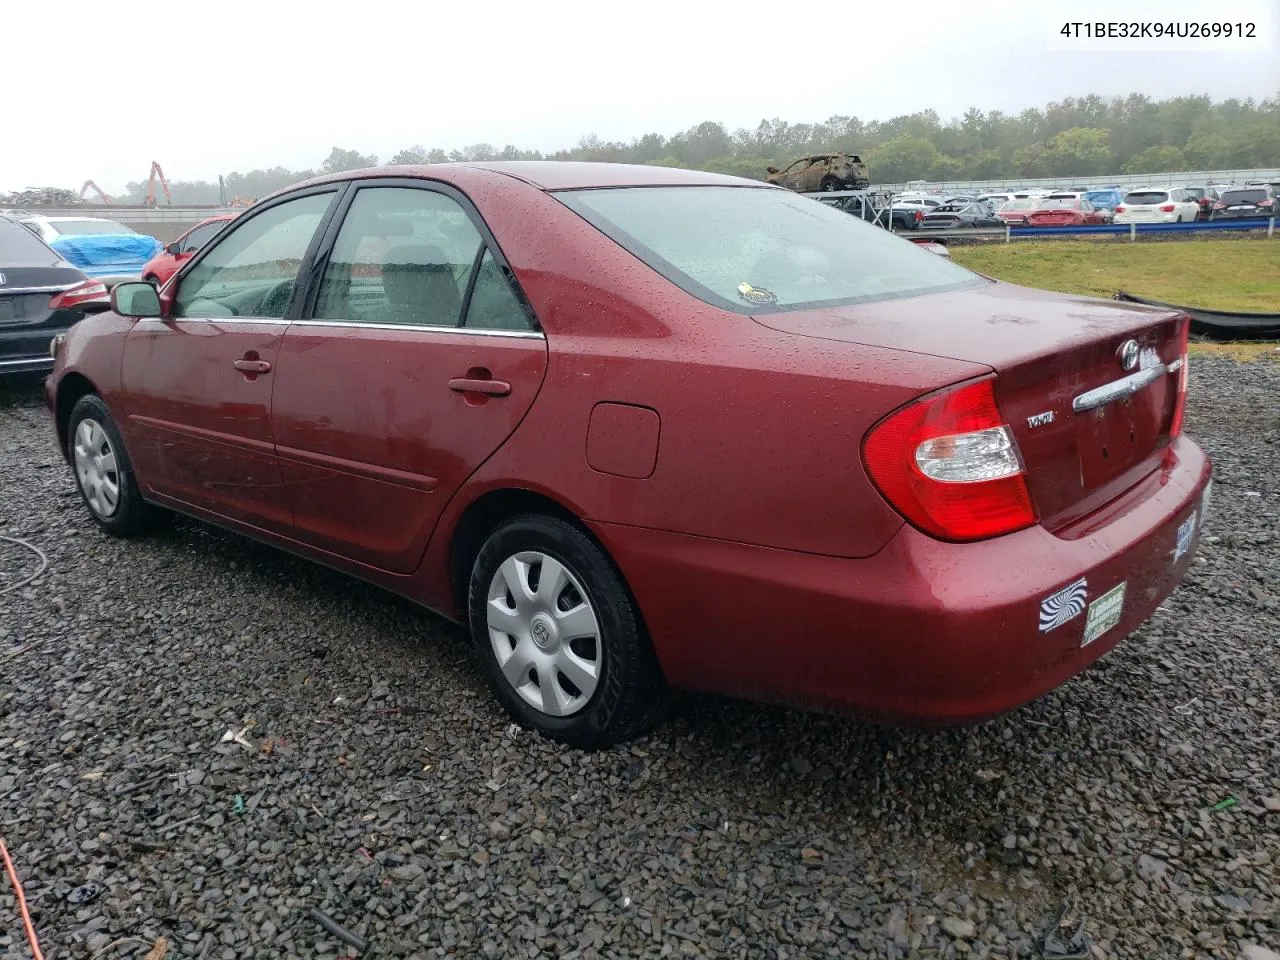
column 252, row 269
column 495, row 303
column 1147, row 196
column 403, row 256
column 19, row 247
column 752, row 249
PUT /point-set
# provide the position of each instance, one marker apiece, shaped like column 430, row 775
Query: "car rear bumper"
column 923, row 633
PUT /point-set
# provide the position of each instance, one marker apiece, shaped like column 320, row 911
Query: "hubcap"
column 96, row 468
column 544, row 633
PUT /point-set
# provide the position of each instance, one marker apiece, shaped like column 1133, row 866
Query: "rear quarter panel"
column 760, row 431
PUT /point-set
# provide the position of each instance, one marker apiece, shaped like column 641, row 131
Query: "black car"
column 954, row 216
column 41, row 295
column 1252, row 201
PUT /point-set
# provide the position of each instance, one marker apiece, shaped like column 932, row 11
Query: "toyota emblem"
column 1128, row 355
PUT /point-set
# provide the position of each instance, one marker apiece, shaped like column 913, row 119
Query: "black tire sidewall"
column 629, row 682
column 133, row 514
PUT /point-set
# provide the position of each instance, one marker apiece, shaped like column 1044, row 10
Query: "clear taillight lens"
column 81, row 295
column 969, row 457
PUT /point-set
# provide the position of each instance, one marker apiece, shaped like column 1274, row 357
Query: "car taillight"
column 919, row 215
column 90, row 291
column 1265, row 203
column 1167, row 208
column 1120, row 208
column 1184, row 372
column 1219, row 206
column 948, row 463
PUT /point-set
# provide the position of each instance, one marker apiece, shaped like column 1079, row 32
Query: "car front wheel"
column 560, row 637
column 103, row 472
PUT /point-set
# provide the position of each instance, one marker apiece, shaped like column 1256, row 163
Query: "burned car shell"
column 828, row 171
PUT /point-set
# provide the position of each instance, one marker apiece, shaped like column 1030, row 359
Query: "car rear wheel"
column 560, row 637
column 103, row 472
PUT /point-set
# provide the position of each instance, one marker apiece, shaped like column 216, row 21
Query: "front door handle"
column 492, row 388
column 253, row 366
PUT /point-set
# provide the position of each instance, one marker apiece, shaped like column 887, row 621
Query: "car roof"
column 40, row 216
column 545, row 175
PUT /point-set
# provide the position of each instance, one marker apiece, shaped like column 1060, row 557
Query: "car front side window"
column 403, row 256
column 252, row 270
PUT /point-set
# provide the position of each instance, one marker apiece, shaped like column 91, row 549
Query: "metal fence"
column 1013, row 184
column 1132, row 230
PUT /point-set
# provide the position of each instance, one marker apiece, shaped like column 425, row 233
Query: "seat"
column 419, row 286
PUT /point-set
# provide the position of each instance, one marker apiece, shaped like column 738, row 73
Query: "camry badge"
column 1040, row 419
column 1128, row 355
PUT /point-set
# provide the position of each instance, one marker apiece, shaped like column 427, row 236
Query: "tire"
column 829, row 183
column 604, row 684
column 103, row 473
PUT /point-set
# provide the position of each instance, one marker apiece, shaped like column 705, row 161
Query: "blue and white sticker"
column 1186, row 531
column 1063, row 606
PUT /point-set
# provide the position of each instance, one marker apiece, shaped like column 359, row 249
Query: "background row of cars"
column 1146, row 204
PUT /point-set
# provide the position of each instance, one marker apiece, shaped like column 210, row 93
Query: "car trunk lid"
column 1088, row 427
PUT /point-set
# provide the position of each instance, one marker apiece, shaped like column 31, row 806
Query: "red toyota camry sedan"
column 644, row 429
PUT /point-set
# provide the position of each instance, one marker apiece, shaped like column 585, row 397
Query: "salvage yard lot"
column 1218, row 274
column 382, row 784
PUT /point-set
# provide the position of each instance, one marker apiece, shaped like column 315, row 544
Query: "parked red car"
column 1015, row 213
column 646, row 428
column 165, row 264
column 1067, row 212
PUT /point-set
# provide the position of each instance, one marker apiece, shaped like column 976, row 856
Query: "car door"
column 197, row 382
column 417, row 357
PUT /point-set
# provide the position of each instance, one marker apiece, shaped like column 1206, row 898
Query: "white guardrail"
column 1012, row 184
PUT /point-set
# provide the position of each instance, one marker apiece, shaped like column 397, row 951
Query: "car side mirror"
column 135, row 300
column 173, row 249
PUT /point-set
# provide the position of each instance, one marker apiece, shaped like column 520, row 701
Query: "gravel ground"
column 378, row 781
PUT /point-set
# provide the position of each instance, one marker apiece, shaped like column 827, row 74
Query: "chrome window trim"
column 276, row 321
column 423, row 328
column 6, row 291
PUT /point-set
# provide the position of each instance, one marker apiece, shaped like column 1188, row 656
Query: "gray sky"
column 207, row 88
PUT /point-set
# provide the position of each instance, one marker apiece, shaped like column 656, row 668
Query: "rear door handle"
column 493, row 388
column 252, row 366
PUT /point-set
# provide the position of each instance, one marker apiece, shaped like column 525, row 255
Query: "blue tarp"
column 128, row 251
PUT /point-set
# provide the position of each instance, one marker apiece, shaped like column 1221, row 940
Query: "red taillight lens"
column 1265, row 203
column 1184, row 373
column 948, row 463
column 1167, row 208
column 88, row 292
column 919, row 215
column 1219, row 206
column 1120, row 208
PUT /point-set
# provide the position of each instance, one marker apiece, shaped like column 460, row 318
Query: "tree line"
column 1074, row 137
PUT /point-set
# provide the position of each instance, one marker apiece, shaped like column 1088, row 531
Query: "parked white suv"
column 1157, row 205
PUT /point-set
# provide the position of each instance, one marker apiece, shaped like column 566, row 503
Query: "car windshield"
column 1244, row 196
column 78, row 228
column 1059, row 203
column 19, row 247
column 1147, row 196
column 749, row 249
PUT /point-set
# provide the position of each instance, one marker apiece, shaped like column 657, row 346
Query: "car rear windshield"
column 1147, row 196
column 78, row 228
column 1059, row 203
column 19, row 247
column 1243, row 196
column 1023, row 204
column 750, row 249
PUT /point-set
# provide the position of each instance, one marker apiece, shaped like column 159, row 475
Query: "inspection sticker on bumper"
column 1182, row 543
column 1104, row 613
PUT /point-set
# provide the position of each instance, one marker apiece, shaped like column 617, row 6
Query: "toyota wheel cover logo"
column 1128, row 354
